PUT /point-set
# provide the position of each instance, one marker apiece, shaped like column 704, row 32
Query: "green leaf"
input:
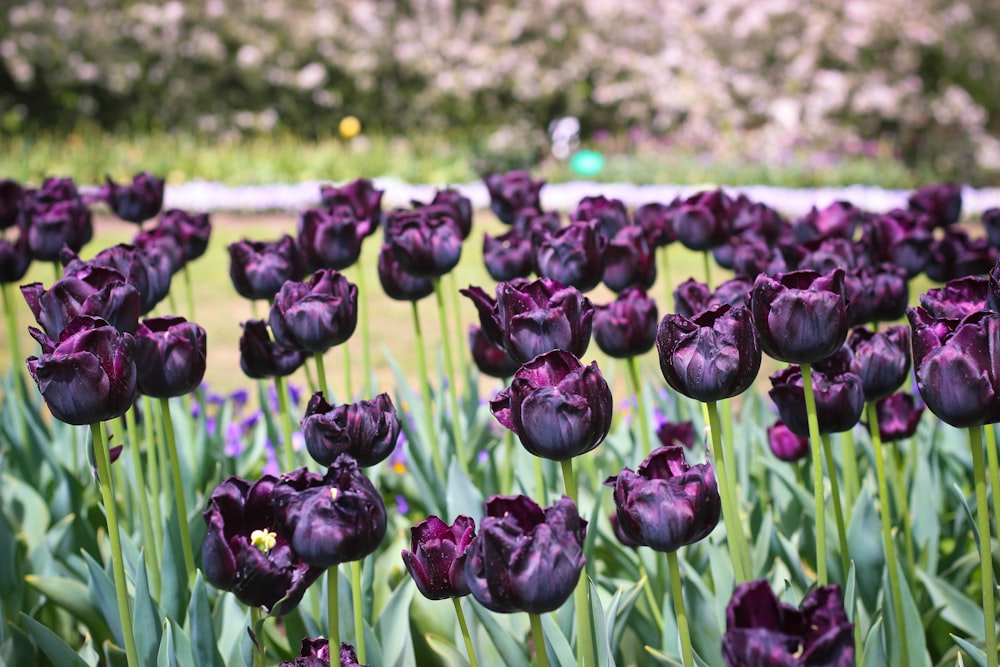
column 145, row 616
column 600, row 623
column 874, row 651
column 200, row 626
column 74, row 597
column 761, row 549
column 393, row 627
column 957, row 608
column 166, row 656
column 102, row 594
column 511, row 650
column 912, row 626
column 51, row 644
column 850, row 590
column 27, row 510
column 557, row 643
column 972, row 650
column 463, row 497
column 865, row 548
column 620, row 607
column 448, row 652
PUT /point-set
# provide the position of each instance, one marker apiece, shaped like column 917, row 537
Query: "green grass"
column 89, row 155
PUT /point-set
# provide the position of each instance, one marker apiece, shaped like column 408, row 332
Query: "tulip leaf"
column 866, row 549
column 51, row 644
column 448, row 652
column 957, row 608
column 26, row 509
column 463, row 497
column 167, row 655
column 74, row 597
column 761, row 549
column 102, row 594
column 600, row 622
column 146, row 618
column 663, row 658
column 910, row 628
column 511, row 650
column 874, row 651
column 200, row 626
column 557, row 644
column 173, row 595
column 972, row 650
column 700, row 605
column 620, row 607
column 393, row 626
column 850, row 591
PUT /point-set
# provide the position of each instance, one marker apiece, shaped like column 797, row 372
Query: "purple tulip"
column 366, row 430
column 526, row 558
column 704, row 220
column 427, row 246
column 317, row 315
column 95, row 291
column 801, row 317
column 437, row 557
column 956, row 366
column 15, row 257
column 629, row 260
column 626, row 327
column 692, row 298
column 88, row 374
column 457, row 206
column 362, row 197
column 752, row 257
column 840, row 398
column 334, row 518
column 838, row 220
column 192, row 231
column 258, row 269
column 508, row 256
column 786, row 445
column 151, row 280
column 826, row 255
column 958, row 298
column 10, row 200
column 761, row 630
column 757, row 220
column 876, row 293
column 734, row 292
column 881, row 360
column 902, row 238
column 941, row 201
column 329, row 238
column 170, row 356
column 247, row 548
column 398, row 283
column 657, row 221
column 573, row 255
column 667, row 504
column 670, row 433
column 260, row 357
column 993, row 298
column 491, row 359
column 714, row 356
column 316, row 653
column 609, row 214
column 137, row 202
column 956, row 255
column 162, row 248
column 511, row 192
column 558, row 407
column 52, row 224
column 898, row 416
column 991, row 222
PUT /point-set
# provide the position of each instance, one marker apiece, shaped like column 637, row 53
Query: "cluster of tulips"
column 810, row 293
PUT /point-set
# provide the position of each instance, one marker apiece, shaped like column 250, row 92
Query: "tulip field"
column 695, row 432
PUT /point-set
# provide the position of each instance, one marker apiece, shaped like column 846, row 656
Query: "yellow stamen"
column 264, row 540
column 333, row 492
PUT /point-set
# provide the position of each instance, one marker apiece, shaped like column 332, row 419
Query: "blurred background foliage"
column 764, row 82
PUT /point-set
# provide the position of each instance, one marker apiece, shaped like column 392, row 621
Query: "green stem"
column 333, row 608
column 890, row 545
column 540, row 487
column 708, row 268
column 586, row 654
column 469, row 648
column 285, row 419
column 321, row 376
column 539, row 638
column 17, row 364
column 904, row 514
column 994, row 468
column 135, row 456
column 667, row 283
column 189, row 292
column 462, row 360
column 366, row 353
column 506, row 471
column 850, row 465
column 677, row 592
column 732, row 468
column 57, row 270
column 449, row 367
column 838, row 510
column 313, row 388
column 255, row 623
column 643, row 428
column 175, row 467
column 124, row 485
column 733, row 527
column 650, row 598
column 348, row 387
column 425, row 393
column 153, row 458
column 117, row 559
column 985, row 552
column 817, row 464
column 359, row 626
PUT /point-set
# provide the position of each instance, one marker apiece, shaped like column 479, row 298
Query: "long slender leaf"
column 51, row 644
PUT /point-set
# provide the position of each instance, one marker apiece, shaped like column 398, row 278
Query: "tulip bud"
column 490, row 359
column 11, row 193
column 881, row 360
column 366, row 430
column 541, row 316
column 170, row 356
column 609, row 214
column 258, row 269
column 838, row 220
column 425, row 245
column 626, row 327
column 191, row 231
column 508, row 256
column 704, row 220
column 437, row 557
column 629, row 260
column 362, row 197
column 898, row 416
column 941, row 201
column 316, row 315
column 786, row 445
column 396, row 282
column 573, row 255
column 330, row 239
column 94, row 291
column 512, row 192
column 876, row 293
column 840, row 399
column 137, row 202
column 260, row 357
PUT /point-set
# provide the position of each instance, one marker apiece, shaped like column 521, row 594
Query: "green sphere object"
column 587, row 163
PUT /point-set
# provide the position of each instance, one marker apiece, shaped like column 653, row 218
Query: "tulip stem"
column 633, row 371
column 285, row 419
column 985, row 552
column 175, row 467
column 459, row 334
column 838, row 510
column 366, row 352
column 143, row 496
column 994, row 468
column 708, row 268
column 17, row 364
column 677, row 593
column 258, row 648
column 850, row 464
column 449, row 366
column 153, row 458
column 117, row 559
column 359, row 624
column 890, row 545
column 189, row 292
column 904, row 511
column 348, row 387
column 469, row 648
column 816, row 445
column 539, row 638
column 425, row 392
column 321, row 375
column 734, row 530
column 650, row 598
column 543, row 496
column 581, row 596
column 333, row 607
column 665, row 271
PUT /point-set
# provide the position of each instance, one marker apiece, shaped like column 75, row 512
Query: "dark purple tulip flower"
column 96, row 291
column 956, row 255
column 161, row 247
column 786, row 445
column 573, row 255
column 316, row 315
column 10, row 199
column 657, row 221
column 692, row 298
column 526, row 558
column 88, row 374
column 491, row 359
column 558, row 407
column 437, row 557
column 247, row 549
column 335, row 518
column 713, row 356
column 876, row 293
column 15, row 258
column 734, row 292
column 667, row 504
column 508, row 256
column 626, row 327
column 993, row 298
column 756, row 219
column 316, row 653
column 623, row 537
column 425, row 245
column 704, row 220
column 902, row 238
column 840, row 399
column 829, row 254
column 396, row 282
column 258, row 269
column 458, row 206
column 881, row 360
column 151, row 280
column 530, row 222
column 958, row 298
column 671, row 433
column 761, row 630
column 752, row 257
column 137, row 202
column 192, row 231
column 169, row 356
column 367, row 430
column 329, row 238
column 956, row 366
column 609, row 214
column 511, row 192
column 362, row 197
column 839, row 220
column 898, row 416
column 260, row 357
column 991, row 222
column 54, row 224
column 629, row 260
column 542, row 315
column 941, row 201
column 801, row 316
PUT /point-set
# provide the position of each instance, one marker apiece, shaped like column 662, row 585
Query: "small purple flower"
column 941, row 201
column 258, row 269
column 316, row 315
column 137, row 202
column 786, row 445
column 436, row 559
column 626, row 327
column 367, row 430
column 898, row 416
column 511, row 192
column 363, row 199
